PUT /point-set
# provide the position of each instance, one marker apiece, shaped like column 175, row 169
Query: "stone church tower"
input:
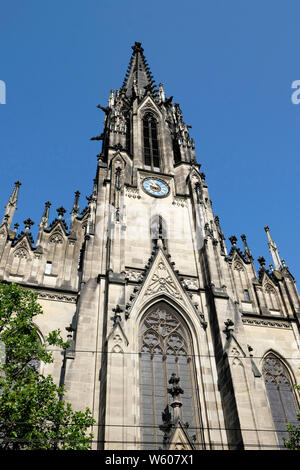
column 175, row 343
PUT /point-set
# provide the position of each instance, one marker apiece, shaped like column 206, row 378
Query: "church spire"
column 273, row 249
column 11, row 206
column 138, row 78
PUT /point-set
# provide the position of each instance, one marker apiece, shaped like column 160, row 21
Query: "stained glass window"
column 281, row 395
column 164, row 350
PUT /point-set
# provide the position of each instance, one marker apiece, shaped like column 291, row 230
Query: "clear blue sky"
column 229, row 63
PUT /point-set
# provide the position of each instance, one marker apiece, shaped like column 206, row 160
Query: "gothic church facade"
column 175, row 342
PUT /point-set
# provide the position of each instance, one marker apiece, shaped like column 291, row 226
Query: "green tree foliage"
column 33, row 413
column 293, row 443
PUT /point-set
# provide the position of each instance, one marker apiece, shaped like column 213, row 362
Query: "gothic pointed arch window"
column 150, row 143
column 165, row 350
column 281, row 395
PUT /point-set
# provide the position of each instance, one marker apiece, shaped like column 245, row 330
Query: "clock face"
column 156, row 187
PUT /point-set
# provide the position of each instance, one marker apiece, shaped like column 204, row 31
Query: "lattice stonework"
column 274, row 371
column 280, row 395
column 165, row 350
column 56, row 238
column 163, row 334
column 21, row 253
column 162, row 282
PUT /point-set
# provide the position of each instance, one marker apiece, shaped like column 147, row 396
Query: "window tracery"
column 280, row 395
column 165, row 350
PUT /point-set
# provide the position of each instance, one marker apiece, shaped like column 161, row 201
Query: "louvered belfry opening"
column 151, row 146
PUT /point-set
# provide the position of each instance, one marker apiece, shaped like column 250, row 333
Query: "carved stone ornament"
column 238, row 266
column 269, row 288
column 21, row 253
column 191, row 284
column 56, row 238
column 268, row 323
column 161, row 281
column 274, row 371
column 57, row 297
column 134, row 276
column 179, row 201
column 133, row 193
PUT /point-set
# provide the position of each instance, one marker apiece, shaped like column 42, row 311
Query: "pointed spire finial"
column 11, row 206
column 61, row 211
column 233, row 240
column 273, row 249
column 175, row 391
column 45, row 215
column 75, row 209
column 138, row 76
column 246, row 247
column 28, row 223
column 137, row 47
column 44, row 221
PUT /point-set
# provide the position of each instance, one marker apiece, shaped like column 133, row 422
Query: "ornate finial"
column 44, row 220
column 262, row 261
column 117, row 316
column 271, row 267
column 229, row 327
column 175, row 391
column 28, row 223
column 273, row 249
column 233, row 240
column 137, row 47
column 246, row 247
column 11, row 205
column 283, row 263
column 16, row 226
column 61, row 211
